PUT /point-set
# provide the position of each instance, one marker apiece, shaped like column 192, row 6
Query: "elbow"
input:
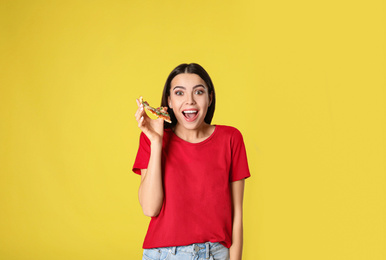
column 152, row 207
column 151, row 212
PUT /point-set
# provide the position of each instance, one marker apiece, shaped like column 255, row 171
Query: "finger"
column 140, row 122
column 138, row 113
column 139, row 104
column 142, row 115
column 140, row 107
column 143, row 125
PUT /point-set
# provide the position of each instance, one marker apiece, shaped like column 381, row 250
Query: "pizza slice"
column 158, row 112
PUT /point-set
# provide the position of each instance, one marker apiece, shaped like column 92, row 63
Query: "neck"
column 193, row 135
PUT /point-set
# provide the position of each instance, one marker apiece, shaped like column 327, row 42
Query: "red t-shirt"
column 197, row 205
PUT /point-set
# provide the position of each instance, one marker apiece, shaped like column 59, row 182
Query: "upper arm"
column 143, row 174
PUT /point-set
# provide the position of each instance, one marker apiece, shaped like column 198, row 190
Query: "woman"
column 192, row 174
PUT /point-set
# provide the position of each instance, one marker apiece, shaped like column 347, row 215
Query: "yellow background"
column 304, row 81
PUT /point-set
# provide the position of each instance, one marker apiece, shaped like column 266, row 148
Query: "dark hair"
column 193, row 68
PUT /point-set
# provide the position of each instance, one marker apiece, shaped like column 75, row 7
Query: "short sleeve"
column 239, row 164
column 143, row 154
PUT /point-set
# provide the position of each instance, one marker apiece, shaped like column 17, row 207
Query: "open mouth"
column 190, row 115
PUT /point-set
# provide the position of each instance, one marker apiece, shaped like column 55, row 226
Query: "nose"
column 190, row 99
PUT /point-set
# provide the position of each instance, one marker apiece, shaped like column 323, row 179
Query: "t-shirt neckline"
column 202, row 142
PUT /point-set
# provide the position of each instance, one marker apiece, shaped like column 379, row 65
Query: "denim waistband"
column 194, row 248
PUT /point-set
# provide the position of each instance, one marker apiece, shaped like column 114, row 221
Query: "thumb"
column 160, row 120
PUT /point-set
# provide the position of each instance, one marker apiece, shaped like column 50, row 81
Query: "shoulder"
column 230, row 134
column 143, row 138
column 228, row 131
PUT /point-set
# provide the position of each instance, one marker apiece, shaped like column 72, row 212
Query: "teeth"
column 190, row 112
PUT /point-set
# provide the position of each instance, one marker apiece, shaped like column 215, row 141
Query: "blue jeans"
column 202, row 251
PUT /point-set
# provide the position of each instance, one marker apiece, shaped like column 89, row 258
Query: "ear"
column 210, row 98
column 169, row 103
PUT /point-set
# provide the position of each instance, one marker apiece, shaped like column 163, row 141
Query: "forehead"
column 187, row 80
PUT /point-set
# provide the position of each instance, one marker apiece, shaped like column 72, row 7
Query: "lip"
column 190, row 119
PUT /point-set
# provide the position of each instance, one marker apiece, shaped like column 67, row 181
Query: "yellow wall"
column 304, row 81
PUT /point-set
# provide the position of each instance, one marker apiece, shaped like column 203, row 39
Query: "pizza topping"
column 160, row 112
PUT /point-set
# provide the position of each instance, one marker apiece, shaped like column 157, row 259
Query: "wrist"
column 156, row 144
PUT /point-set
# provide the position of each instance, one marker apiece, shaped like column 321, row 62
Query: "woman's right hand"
column 152, row 128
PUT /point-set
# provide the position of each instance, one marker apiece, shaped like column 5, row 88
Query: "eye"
column 179, row 93
column 199, row 92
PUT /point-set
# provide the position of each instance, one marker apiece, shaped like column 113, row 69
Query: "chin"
column 191, row 125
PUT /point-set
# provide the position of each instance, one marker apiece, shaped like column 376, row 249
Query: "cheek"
column 175, row 104
column 205, row 101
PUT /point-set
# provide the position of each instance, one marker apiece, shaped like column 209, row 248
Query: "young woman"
column 192, row 174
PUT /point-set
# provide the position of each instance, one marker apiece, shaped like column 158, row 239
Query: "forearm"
column 151, row 190
column 237, row 191
column 236, row 249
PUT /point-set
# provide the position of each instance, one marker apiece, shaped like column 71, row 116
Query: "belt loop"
column 173, row 250
column 207, row 250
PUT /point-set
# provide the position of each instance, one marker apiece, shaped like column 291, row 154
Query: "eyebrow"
column 197, row 86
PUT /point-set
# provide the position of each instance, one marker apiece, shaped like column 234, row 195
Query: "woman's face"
column 189, row 98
